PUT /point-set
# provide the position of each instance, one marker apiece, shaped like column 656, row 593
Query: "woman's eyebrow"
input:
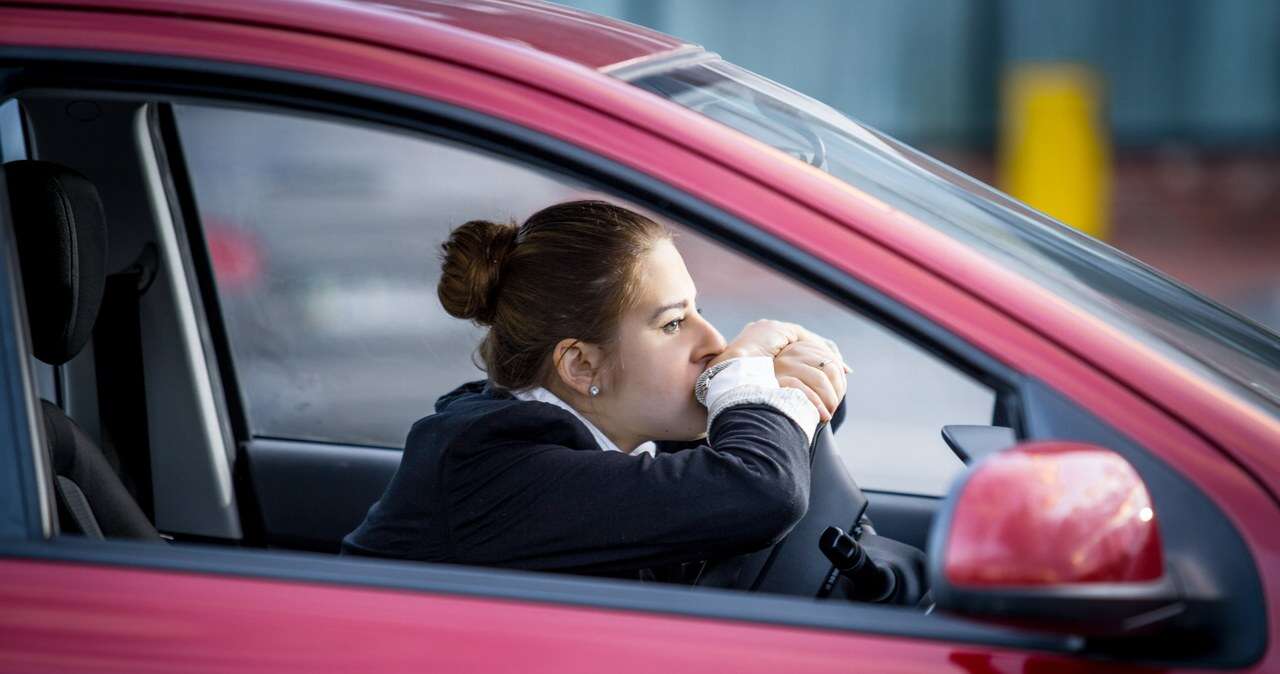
column 669, row 306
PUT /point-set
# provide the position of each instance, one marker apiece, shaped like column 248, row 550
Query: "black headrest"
column 62, row 244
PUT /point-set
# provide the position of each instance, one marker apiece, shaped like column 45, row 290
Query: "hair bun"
column 472, row 262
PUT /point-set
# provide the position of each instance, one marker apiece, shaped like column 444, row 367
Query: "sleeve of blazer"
column 549, row 507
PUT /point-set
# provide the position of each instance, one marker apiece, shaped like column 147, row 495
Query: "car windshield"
column 1190, row 329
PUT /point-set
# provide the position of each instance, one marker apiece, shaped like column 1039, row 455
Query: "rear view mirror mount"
column 974, row 443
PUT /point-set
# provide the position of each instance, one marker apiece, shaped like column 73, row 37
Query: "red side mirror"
column 1058, row 534
column 1053, row 513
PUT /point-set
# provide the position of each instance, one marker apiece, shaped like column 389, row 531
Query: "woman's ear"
column 578, row 364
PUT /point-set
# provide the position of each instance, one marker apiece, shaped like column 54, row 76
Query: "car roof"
column 583, row 38
column 588, row 39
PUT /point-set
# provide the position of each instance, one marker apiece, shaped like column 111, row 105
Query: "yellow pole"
column 1053, row 146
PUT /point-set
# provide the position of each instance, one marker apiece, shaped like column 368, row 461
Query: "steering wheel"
column 795, row 565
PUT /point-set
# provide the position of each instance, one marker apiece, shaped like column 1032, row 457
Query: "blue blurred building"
column 1205, row 72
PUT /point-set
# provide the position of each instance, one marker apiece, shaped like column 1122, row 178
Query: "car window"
column 324, row 238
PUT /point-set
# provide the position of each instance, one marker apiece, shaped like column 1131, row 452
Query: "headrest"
column 62, row 246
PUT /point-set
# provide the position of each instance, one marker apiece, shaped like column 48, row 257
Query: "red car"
column 274, row 177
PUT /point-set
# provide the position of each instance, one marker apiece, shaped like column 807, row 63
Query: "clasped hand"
column 801, row 360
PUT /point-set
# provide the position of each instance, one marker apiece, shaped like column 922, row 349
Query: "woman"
column 578, row 453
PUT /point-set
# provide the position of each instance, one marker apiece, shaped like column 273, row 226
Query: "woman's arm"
column 549, row 507
column 552, row 507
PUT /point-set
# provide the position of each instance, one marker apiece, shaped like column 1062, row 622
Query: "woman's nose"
column 712, row 341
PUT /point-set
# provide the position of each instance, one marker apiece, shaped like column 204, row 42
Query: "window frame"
column 413, row 115
column 168, row 128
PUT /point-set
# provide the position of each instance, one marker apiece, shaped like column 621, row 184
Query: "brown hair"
column 569, row 272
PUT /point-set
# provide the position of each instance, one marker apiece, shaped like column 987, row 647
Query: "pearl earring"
column 594, row 390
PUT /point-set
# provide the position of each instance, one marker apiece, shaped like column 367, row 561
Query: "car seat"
column 61, row 238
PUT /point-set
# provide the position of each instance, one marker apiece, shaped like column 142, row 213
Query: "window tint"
column 325, row 238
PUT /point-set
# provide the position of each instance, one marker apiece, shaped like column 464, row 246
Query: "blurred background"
column 1152, row 124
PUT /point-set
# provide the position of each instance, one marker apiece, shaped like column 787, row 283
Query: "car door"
column 530, row 615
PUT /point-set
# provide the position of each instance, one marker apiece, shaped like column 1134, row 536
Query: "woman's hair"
column 569, row 272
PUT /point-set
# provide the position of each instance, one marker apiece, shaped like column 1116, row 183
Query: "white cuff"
column 751, row 381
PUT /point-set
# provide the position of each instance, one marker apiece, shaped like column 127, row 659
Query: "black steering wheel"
column 796, row 565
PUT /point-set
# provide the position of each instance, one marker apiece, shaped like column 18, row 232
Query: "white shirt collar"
column 542, row 395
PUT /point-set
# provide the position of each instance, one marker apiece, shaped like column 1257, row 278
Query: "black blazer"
column 492, row 480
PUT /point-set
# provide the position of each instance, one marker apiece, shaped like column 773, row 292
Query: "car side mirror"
column 1057, row 535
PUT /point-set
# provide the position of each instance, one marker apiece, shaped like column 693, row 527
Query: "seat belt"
column 122, row 400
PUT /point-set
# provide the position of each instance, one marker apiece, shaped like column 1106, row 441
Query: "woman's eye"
column 673, row 327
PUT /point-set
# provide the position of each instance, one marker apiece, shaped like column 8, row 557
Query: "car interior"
column 144, row 412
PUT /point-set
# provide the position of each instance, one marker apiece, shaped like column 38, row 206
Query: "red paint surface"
column 1053, row 514
column 525, row 28
column 68, row 618
column 1223, row 447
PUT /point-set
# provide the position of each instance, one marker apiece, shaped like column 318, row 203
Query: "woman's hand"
column 802, row 360
column 815, row 368
column 763, row 338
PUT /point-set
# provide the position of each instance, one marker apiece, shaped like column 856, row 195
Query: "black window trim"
column 184, row 77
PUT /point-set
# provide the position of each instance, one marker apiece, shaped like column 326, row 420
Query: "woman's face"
column 663, row 344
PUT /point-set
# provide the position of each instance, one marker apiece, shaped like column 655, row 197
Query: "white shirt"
column 542, row 395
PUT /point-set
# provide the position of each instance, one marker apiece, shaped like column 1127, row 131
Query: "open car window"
column 324, row 238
